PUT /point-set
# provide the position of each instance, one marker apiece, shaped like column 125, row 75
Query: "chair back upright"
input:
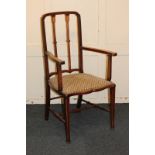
column 66, row 15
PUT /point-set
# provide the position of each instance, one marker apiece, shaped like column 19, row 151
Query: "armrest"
column 108, row 60
column 58, row 62
column 54, row 58
column 102, row 51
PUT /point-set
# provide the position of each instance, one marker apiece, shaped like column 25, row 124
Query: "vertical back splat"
column 54, row 34
column 79, row 35
column 68, row 41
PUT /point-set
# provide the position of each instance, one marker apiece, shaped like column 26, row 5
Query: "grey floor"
column 90, row 133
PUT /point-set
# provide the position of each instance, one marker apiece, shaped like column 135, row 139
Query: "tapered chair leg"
column 112, row 106
column 47, row 100
column 63, row 107
column 67, row 119
column 79, row 101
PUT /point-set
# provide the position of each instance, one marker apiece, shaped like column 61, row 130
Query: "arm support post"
column 109, row 55
column 58, row 62
column 108, row 67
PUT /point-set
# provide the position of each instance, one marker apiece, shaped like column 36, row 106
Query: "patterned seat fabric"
column 80, row 83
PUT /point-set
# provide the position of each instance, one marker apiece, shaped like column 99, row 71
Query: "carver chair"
column 71, row 84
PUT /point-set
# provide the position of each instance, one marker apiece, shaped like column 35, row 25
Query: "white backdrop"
column 104, row 25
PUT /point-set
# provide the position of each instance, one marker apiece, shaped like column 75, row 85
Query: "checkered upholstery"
column 80, row 83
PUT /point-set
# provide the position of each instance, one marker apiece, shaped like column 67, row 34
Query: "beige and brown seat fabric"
column 80, row 83
column 67, row 81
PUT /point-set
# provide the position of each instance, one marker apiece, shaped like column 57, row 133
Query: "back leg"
column 63, row 107
column 79, row 101
column 47, row 102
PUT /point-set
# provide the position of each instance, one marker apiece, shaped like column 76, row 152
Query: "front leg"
column 67, row 119
column 112, row 106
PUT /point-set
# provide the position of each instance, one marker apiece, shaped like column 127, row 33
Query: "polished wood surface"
column 108, row 68
column 112, row 107
column 107, row 52
column 68, row 41
column 54, row 35
column 54, row 57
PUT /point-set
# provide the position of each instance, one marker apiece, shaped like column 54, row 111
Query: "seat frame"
column 65, row 115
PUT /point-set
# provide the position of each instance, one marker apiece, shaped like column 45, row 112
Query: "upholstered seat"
column 80, row 83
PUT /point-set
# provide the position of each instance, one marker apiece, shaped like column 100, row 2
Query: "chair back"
column 53, row 16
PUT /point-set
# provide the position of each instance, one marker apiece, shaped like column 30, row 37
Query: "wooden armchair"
column 78, row 83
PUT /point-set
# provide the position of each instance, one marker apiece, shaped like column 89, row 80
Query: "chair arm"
column 108, row 60
column 58, row 62
column 54, row 58
column 102, row 51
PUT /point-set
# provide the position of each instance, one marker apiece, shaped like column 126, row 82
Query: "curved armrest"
column 58, row 62
column 102, row 51
column 54, row 58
